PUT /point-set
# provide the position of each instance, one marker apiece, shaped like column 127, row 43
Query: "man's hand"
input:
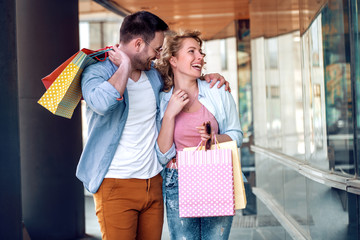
column 118, row 57
column 214, row 77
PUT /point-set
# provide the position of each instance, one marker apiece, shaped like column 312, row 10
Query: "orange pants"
column 130, row 208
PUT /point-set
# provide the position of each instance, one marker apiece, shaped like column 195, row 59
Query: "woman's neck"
column 186, row 84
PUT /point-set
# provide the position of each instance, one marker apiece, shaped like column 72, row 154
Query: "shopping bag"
column 239, row 188
column 206, row 187
column 63, row 85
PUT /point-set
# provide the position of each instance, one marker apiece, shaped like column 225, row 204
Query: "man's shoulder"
column 153, row 74
column 153, row 70
column 101, row 64
column 101, row 67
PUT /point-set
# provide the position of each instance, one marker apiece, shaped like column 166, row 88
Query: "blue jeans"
column 209, row 228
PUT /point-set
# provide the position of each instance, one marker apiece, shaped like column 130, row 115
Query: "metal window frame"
column 289, row 223
column 331, row 179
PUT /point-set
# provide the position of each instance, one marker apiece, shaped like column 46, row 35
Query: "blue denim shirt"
column 106, row 116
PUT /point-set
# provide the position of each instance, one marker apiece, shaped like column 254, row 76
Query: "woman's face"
column 189, row 60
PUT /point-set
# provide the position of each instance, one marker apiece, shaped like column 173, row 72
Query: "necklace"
column 189, row 104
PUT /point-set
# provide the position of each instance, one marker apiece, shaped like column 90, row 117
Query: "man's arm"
column 120, row 77
column 103, row 86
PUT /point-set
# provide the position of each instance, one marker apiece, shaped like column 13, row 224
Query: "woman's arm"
column 224, row 110
column 232, row 121
column 166, row 136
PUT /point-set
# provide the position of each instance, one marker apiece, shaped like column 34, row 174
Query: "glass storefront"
column 305, row 108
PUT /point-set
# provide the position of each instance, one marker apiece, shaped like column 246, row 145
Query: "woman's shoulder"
column 165, row 96
column 215, row 91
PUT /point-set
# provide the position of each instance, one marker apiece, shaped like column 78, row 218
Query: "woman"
column 186, row 104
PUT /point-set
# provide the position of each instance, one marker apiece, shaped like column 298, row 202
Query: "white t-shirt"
column 135, row 156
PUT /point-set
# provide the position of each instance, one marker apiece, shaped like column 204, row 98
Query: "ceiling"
column 214, row 18
column 211, row 17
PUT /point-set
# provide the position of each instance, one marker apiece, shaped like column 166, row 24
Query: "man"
column 120, row 163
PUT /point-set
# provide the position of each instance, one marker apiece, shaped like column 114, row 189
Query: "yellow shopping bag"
column 239, row 188
column 63, row 85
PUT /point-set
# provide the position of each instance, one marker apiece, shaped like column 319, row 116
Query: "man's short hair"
column 141, row 24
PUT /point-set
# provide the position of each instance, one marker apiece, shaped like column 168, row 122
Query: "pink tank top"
column 185, row 133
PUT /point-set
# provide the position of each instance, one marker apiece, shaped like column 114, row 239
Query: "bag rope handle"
column 101, row 51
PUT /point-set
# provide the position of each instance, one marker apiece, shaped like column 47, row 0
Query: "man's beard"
column 142, row 64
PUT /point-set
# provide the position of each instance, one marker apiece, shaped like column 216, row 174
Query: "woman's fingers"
column 202, row 131
column 181, row 95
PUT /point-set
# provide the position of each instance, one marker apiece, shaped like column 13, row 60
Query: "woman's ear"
column 173, row 61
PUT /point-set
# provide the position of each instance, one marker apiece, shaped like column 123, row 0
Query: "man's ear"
column 138, row 44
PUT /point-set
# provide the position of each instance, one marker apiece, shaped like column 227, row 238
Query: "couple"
column 134, row 130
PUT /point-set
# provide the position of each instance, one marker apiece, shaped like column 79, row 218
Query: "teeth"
column 197, row 65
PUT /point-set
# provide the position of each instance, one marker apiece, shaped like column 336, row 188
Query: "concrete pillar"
column 52, row 197
column 10, row 181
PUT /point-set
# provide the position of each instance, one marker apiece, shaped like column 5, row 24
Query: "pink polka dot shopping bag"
column 206, row 181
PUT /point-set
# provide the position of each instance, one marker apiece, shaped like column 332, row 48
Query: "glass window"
column 314, row 104
column 338, row 101
column 355, row 70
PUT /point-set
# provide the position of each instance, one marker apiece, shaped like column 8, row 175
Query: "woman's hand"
column 177, row 102
column 203, row 133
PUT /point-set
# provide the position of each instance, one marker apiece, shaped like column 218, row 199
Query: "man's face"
column 150, row 52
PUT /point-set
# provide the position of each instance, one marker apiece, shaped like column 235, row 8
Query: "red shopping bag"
column 63, row 84
column 99, row 55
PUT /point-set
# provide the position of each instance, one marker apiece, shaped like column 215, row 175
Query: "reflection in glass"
column 273, row 101
column 339, row 119
column 245, row 111
column 313, row 68
column 303, row 95
column 355, row 71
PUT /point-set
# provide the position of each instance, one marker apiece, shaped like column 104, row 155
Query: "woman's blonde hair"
column 171, row 47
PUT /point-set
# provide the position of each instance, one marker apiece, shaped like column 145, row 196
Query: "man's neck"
column 135, row 75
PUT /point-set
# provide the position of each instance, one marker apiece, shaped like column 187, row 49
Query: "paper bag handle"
column 200, row 145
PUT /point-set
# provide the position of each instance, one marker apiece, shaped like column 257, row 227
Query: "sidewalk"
column 244, row 227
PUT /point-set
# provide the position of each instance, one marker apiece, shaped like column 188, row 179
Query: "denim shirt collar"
column 168, row 94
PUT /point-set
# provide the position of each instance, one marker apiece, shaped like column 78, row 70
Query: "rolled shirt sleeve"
column 98, row 93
